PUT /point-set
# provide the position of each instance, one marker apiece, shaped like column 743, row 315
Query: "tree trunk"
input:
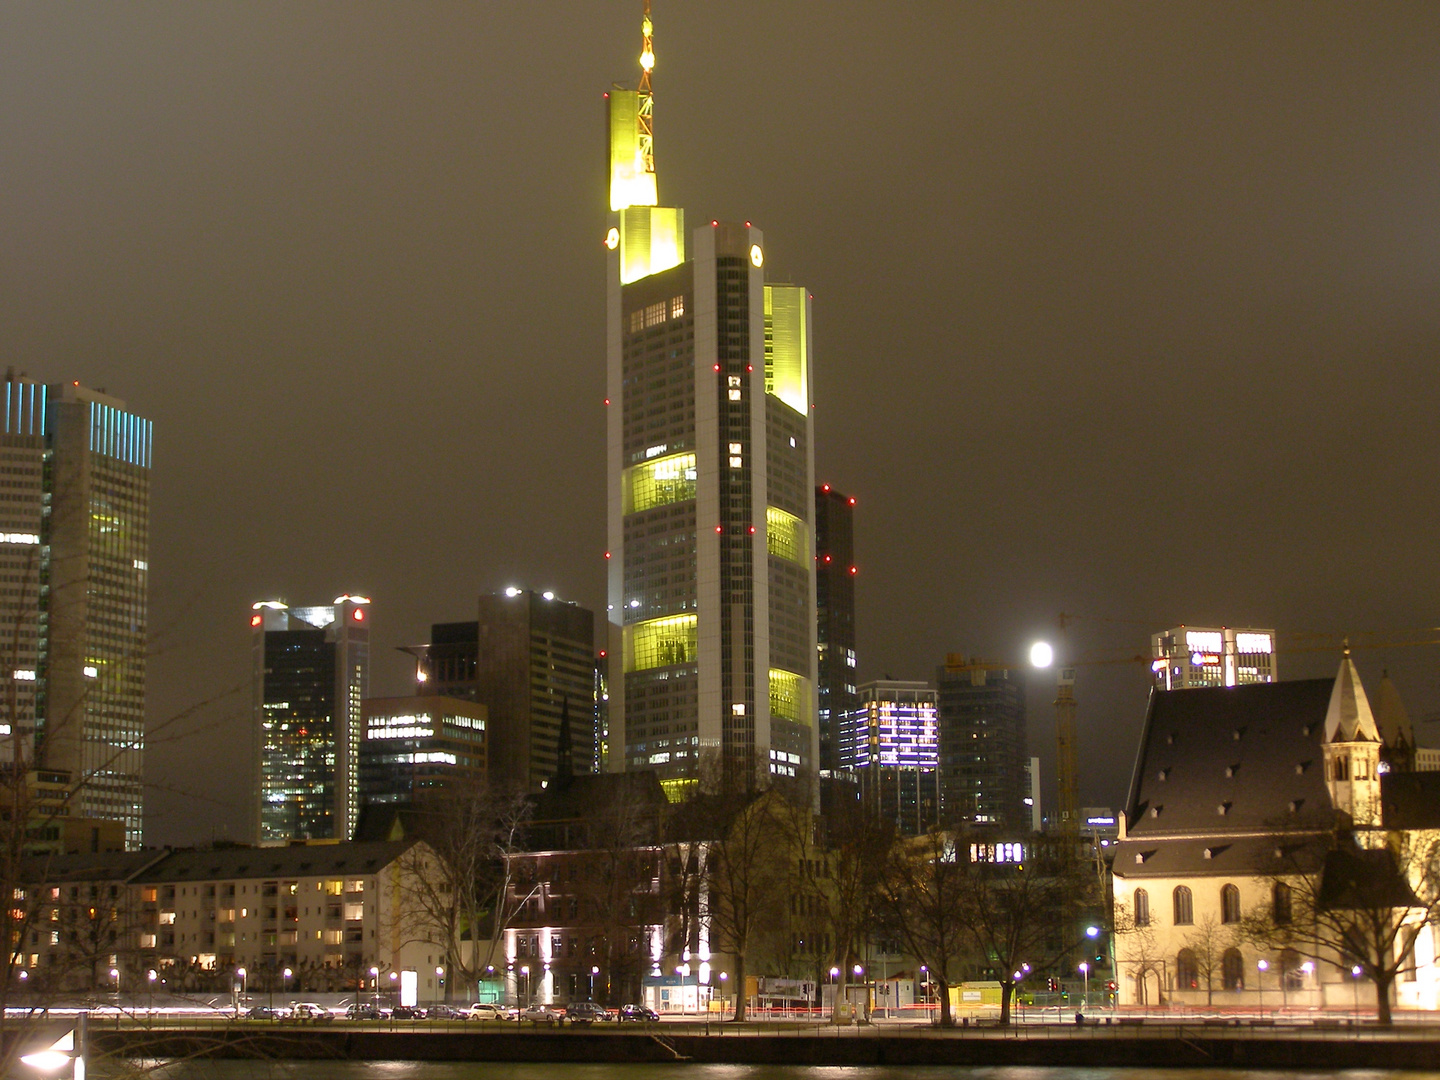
column 739, row 987
column 840, row 984
column 1007, row 991
column 1383, row 982
column 946, row 1020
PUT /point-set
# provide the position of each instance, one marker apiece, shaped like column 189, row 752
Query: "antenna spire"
column 645, row 119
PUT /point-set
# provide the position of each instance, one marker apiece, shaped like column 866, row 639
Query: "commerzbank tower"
column 710, row 463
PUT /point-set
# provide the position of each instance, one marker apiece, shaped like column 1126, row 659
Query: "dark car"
column 585, row 1012
column 407, row 1012
column 446, row 1012
column 638, row 1012
column 359, row 1011
column 262, row 1012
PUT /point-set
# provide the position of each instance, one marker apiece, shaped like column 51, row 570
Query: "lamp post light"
column 1356, row 972
column 375, row 982
column 115, row 974
column 1085, row 971
column 594, row 974
column 150, row 978
column 1260, row 982
column 439, row 983
column 925, row 990
column 525, row 992
column 240, row 1004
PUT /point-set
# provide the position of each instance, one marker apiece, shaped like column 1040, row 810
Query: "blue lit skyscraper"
column 74, row 550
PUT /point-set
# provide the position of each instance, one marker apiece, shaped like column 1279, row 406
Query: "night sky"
column 1125, row 311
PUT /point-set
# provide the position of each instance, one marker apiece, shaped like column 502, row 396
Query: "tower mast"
column 645, row 119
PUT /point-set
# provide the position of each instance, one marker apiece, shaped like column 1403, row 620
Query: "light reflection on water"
column 465, row 1070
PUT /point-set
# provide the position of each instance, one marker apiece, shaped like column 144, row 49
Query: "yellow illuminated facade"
column 658, row 482
column 791, row 697
column 787, row 536
column 661, row 643
column 786, row 363
column 630, row 183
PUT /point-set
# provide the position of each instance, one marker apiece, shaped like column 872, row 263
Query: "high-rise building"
column 890, row 745
column 711, row 493
column 416, row 748
column 835, row 614
column 1188, row 656
column 311, row 675
column 983, row 763
column 74, row 552
column 529, row 659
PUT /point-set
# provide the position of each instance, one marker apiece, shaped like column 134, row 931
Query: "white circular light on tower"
column 757, row 257
column 1041, row 654
column 612, row 239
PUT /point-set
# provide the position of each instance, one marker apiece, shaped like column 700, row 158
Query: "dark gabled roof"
column 315, row 860
column 102, row 866
column 1219, row 856
column 1356, row 879
column 1410, row 800
column 1231, row 759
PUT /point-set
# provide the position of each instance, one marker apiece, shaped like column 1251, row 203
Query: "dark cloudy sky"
column 1126, row 311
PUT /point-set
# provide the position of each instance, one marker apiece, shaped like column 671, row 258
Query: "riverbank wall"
column 1172, row 1049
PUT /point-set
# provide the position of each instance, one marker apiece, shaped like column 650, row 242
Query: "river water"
column 416, row 1070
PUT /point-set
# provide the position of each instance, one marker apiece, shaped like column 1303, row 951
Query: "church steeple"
column 1352, row 748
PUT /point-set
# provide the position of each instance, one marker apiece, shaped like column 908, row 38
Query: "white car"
column 309, row 1011
column 483, row 1010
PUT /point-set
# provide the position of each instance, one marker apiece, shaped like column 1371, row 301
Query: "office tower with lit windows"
column 311, row 675
column 530, row 660
column 74, row 551
column 711, row 597
column 835, row 618
column 984, row 767
column 421, row 749
column 890, row 745
column 1188, row 656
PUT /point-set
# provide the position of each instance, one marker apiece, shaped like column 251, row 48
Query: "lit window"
column 677, row 306
column 737, row 462
column 734, row 395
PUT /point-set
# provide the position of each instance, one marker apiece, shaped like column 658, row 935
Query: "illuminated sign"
column 757, row 257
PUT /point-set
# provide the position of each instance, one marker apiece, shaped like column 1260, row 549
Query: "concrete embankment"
column 1170, row 1049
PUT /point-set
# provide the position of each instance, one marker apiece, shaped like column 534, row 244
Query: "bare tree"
column 1207, row 944
column 1350, row 905
column 456, row 887
column 921, row 900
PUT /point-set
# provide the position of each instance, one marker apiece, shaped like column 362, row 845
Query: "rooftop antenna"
column 645, row 120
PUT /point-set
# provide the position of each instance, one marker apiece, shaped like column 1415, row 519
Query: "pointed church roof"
column 1349, row 718
column 1391, row 717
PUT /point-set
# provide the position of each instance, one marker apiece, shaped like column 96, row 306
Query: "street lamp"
column 375, row 982
column 1260, row 982
column 115, row 974
column 1085, row 971
column 1357, row 971
column 525, row 993
column 150, row 977
column 439, row 983
column 241, row 1002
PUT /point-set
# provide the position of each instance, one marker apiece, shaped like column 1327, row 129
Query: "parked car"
column 264, row 1012
column 445, row 1012
column 407, row 1012
column 483, row 1010
column 585, row 1012
column 310, row 1012
column 361, row 1010
column 541, row 1014
column 638, row 1012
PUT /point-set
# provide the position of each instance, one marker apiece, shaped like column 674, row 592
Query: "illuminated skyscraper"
column 312, row 670
column 711, row 493
column 1211, row 656
column 74, row 551
column 890, row 744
